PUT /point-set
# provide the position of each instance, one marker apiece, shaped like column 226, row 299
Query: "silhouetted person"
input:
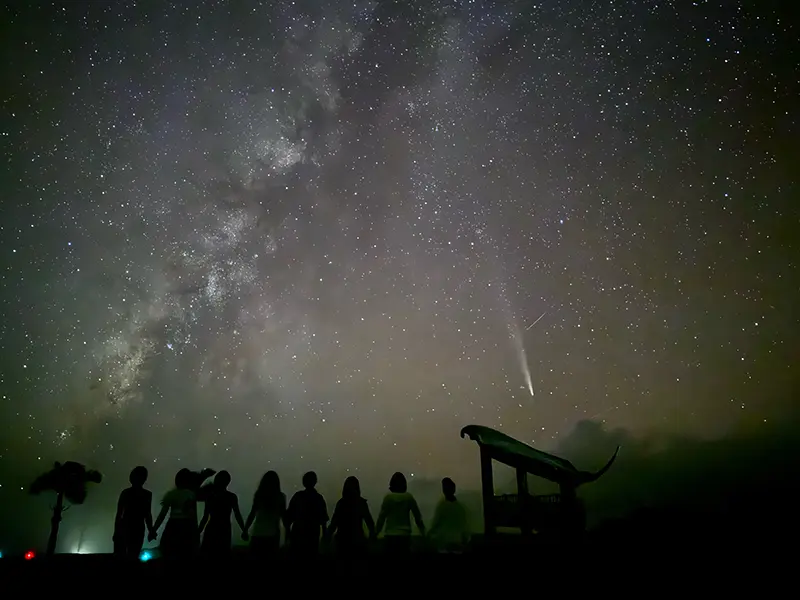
column 269, row 509
column 307, row 517
column 349, row 517
column 216, row 521
column 181, row 536
column 396, row 510
column 449, row 531
column 134, row 514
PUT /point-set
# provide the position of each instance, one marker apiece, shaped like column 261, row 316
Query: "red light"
column 30, row 555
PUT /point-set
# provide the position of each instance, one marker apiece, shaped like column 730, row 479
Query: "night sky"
column 327, row 235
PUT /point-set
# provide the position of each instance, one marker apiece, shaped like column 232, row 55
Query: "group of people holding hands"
column 304, row 519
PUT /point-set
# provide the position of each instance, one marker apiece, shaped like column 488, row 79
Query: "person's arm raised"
column 198, row 479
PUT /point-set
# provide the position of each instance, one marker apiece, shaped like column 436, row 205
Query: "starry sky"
column 327, row 235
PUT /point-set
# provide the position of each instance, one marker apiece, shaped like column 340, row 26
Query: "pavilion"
column 560, row 513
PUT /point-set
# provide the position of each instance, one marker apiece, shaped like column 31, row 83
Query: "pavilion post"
column 523, row 502
column 573, row 519
column 487, row 485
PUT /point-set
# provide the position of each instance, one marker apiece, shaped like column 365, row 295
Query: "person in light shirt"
column 396, row 511
column 266, row 516
column 181, row 537
column 449, row 532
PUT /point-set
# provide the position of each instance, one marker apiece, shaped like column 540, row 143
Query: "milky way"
column 315, row 234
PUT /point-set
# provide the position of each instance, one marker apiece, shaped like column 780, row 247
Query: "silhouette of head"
column 269, row 488
column 309, row 480
column 138, row 476
column 449, row 488
column 223, row 479
column 398, row 483
column 351, row 488
column 183, row 479
column 270, row 483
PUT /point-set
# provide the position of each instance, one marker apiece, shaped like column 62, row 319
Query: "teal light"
column 145, row 556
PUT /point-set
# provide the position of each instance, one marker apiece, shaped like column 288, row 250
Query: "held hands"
column 152, row 535
column 245, row 535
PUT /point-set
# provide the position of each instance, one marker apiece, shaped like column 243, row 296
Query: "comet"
column 522, row 357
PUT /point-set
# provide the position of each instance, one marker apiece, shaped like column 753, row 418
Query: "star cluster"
column 327, row 235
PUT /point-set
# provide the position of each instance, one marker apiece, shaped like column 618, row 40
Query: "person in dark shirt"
column 134, row 515
column 219, row 504
column 349, row 517
column 307, row 517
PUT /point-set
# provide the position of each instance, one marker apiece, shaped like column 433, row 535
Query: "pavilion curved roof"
column 519, row 455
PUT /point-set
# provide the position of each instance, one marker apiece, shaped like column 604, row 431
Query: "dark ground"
column 645, row 554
